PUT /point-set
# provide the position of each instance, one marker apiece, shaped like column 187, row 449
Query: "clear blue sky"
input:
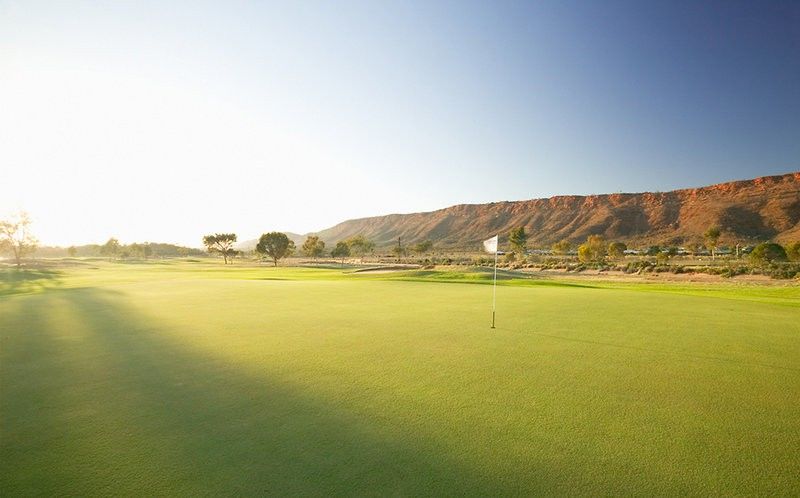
column 167, row 120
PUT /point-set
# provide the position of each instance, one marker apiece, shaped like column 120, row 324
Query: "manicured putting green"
column 192, row 379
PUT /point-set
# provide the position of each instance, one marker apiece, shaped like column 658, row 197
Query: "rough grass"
column 196, row 379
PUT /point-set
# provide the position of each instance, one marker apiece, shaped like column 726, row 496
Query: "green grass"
column 195, row 379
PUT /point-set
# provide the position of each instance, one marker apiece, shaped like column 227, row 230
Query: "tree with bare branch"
column 16, row 238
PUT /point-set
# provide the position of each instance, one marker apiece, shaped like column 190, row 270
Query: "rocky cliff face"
column 750, row 210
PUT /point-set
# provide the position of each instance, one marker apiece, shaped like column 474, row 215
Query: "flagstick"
column 494, row 285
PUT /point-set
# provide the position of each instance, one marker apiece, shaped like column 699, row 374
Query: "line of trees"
column 596, row 249
column 420, row 249
column 275, row 246
column 112, row 248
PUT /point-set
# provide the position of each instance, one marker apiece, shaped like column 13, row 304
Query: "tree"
column 793, row 251
column 653, row 251
column 768, row 252
column 221, row 243
column 562, row 247
column 696, row 248
column 594, row 250
column 110, row 248
column 518, row 240
column 423, row 247
column 275, row 245
column 399, row 251
column 342, row 250
column 72, row 251
column 138, row 250
column 135, row 249
column 313, row 247
column 360, row 245
column 16, row 238
column 665, row 254
column 616, row 250
column 712, row 237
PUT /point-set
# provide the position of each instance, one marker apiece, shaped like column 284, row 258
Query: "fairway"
column 197, row 379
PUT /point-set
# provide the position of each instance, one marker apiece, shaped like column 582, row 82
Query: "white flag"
column 491, row 245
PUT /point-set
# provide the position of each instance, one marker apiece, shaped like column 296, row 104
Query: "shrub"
column 617, row 250
column 783, row 271
column 793, row 251
column 768, row 252
column 732, row 271
column 593, row 250
column 653, row 251
column 638, row 267
column 562, row 247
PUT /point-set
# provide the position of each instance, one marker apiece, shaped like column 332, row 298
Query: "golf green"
column 197, row 379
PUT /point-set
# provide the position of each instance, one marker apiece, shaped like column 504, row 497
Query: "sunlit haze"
column 164, row 121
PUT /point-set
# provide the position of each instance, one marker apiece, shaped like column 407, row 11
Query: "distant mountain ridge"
column 749, row 210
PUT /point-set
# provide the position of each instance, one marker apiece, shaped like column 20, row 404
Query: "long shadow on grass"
column 62, row 432
column 22, row 281
column 211, row 428
column 26, row 386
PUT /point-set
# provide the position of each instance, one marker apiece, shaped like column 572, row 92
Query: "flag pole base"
column 492, row 319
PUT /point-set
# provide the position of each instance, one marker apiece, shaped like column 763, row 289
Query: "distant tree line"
column 597, row 250
column 275, row 246
column 140, row 250
column 112, row 248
